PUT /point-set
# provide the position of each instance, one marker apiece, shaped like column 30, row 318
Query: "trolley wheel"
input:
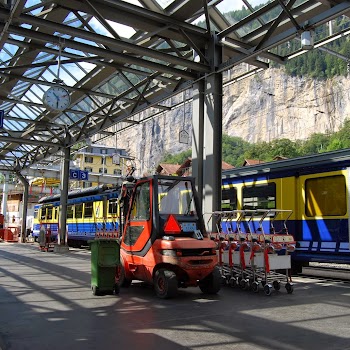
column 255, row 287
column 243, row 284
column 116, row 289
column 289, row 288
column 267, row 289
column 224, row 280
column 276, row 285
column 232, row 282
column 95, row 290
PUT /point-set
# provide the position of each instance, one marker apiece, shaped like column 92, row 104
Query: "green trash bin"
column 105, row 257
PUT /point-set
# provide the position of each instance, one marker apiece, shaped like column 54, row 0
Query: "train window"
column 325, row 196
column 229, row 199
column 79, row 211
column 49, row 213
column 70, row 212
column 55, row 213
column 36, row 213
column 259, row 197
column 113, row 206
column 43, row 214
column 88, row 210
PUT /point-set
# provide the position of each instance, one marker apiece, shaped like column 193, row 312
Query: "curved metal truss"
column 119, row 58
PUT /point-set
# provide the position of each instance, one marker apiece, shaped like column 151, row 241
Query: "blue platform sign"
column 84, row 175
column 76, row 174
column 2, row 113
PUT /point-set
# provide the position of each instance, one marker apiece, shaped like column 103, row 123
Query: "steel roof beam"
column 21, row 141
column 144, row 19
column 289, row 34
column 122, row 45
column 118, row 57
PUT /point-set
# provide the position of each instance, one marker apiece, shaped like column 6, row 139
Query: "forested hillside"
column 291, row 110
column 315, row 63
column 235, row 150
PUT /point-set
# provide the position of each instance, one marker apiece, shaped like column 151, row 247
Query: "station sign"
column 116, row 159
column 78, row 175
column 183, row 136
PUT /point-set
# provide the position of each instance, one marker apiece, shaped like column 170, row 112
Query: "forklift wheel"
column 212, row 283
column 120, row 276
column 165, row 283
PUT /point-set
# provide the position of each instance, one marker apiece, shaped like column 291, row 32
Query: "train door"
column 324, row 216
column 71, row 232
column 89, row 220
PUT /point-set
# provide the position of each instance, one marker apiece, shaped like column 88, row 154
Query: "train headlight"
column 171, row 252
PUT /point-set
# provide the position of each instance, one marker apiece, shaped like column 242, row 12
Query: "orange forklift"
column 163, row 238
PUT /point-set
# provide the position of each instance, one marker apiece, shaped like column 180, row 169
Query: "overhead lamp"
column 307, row 40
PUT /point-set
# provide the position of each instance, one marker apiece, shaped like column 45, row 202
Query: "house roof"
column 167, row 169
column 182, row 169
column 226, row 166
column 252, row 162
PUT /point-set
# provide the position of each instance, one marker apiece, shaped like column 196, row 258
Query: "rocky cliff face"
column 264, row 107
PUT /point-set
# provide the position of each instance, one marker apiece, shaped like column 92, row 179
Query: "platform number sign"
column 2, row 113
column 79, row 175
column 84, row 175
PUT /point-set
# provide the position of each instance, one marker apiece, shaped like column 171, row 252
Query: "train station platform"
column 46, row 303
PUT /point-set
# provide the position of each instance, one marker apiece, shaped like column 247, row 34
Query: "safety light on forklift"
column 171, row 225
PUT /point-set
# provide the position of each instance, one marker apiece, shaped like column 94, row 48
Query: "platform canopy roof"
column 118, row 58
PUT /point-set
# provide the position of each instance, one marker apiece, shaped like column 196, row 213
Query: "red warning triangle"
column 171, row 225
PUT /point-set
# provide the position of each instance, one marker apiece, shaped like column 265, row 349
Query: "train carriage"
column 315, row 188
column 89, row 211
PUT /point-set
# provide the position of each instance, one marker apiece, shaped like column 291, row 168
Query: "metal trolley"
column 248, row 256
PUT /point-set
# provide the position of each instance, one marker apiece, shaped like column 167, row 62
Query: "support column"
column 213, row 134
column 197, row 137
column 62, row 229
column 24, row 207
column 5, row 191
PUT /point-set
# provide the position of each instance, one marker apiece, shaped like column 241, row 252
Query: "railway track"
column 330, row 271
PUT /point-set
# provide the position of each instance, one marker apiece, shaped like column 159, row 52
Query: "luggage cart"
column 232, row 246
column 249, row 257
column 45, row 240
column 275, row 255
column 223, row 243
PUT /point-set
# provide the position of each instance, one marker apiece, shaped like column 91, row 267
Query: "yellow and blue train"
column 89, row 211
column 316, row 189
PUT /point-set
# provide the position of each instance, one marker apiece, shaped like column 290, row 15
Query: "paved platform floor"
column 46, row 303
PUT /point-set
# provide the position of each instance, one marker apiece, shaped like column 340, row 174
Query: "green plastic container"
column 105, row 257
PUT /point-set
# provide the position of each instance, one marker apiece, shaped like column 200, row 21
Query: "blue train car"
column 315, row 188
column 89, row 211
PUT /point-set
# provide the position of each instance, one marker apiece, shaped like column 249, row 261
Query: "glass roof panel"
column 8, row 52
column 164, row 3
column 122, row 30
